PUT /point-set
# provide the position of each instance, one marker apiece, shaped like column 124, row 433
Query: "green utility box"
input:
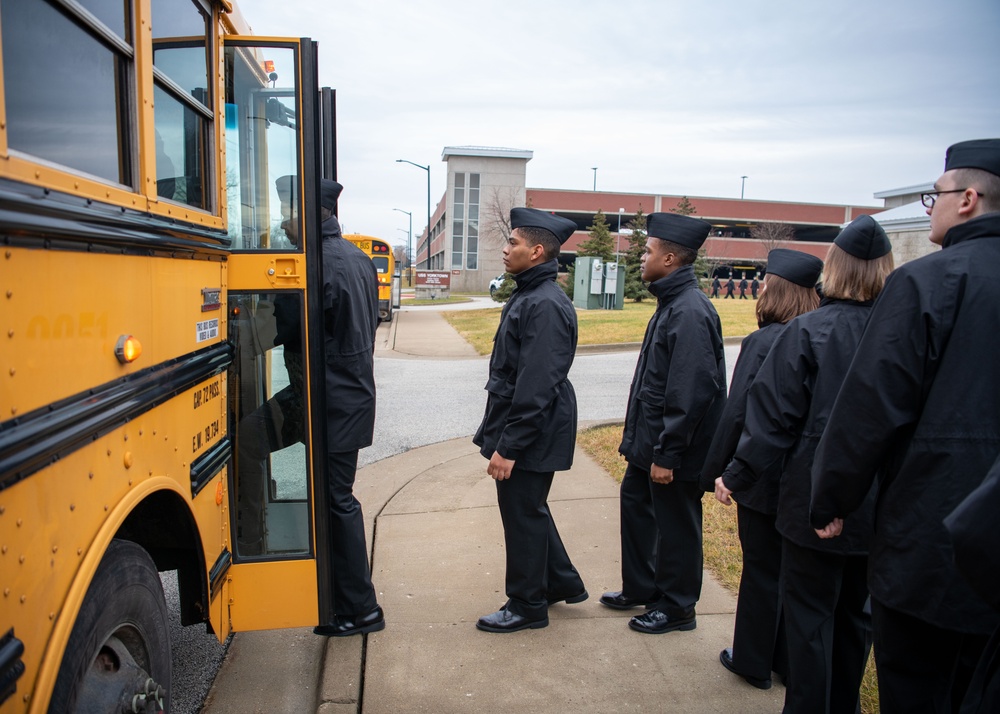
column 598, row 285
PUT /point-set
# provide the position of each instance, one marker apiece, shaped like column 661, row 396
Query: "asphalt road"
column 420, row 402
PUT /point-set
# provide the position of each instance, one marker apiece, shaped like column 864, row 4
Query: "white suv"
column 497, row 283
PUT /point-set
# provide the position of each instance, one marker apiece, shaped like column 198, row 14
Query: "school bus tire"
column 118, row 654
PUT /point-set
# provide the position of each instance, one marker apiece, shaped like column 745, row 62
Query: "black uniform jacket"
column 350, row 314
column 531, row 406
column 787, row 410
column 762, row 496
column 921, row 402
column 679, row 388
column 975, row 538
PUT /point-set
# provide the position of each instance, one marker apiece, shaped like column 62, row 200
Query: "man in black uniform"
column 917, row 410
column 716, row 284
column 529, row 429
column 677, row 397
column 754, row 287
column 350, row 316
column 730, row 287
column 743, row 288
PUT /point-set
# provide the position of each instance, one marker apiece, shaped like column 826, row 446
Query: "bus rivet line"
column 72, row 507
column 12, row 371
column 10, row 294
column 23, row 599
column 55, row 548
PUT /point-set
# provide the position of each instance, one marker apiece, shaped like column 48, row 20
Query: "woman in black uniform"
column 758, row 638
column 824, row 583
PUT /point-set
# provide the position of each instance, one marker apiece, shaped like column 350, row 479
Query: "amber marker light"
column 128, row 349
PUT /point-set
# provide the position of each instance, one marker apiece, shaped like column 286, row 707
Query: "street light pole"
column 594, row 169
column 428, row 170
column 409, row 238
column 742, row 184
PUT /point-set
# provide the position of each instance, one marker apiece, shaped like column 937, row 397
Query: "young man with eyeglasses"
column 917, row 419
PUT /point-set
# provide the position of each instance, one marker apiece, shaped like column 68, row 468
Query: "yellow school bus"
column 385, row 265
column 159, row 405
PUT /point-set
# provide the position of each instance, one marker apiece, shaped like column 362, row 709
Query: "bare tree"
column 399, row 253
column 495, row 224
column 771, row 235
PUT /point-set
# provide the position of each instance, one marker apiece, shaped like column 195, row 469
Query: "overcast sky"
column 821, row 102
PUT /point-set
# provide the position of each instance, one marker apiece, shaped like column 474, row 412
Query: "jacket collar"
column 537, row 274
column 666, row 289
column 985, row 226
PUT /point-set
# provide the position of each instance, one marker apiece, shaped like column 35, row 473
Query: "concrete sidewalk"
column 438, row 564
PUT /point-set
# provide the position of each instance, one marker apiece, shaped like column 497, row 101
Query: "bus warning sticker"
column 207, row 330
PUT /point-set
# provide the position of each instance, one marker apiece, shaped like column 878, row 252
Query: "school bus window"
column 182, row 99
column 179, row 46
column 261, row 148
column 381, row 264
column 115, row 14
column 81, row 120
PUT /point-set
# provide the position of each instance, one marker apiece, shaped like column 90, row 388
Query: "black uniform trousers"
column 921, row 668
column 828, row 631
column 538, row 567
column 661, row 541
column 353, row 593
column 759, row 645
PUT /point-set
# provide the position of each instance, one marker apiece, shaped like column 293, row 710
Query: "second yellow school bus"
column 381, row 254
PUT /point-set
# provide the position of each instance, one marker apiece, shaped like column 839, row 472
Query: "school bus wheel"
column 118, row 655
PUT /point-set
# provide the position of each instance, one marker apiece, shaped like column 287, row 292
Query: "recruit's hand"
column 722, row 494
column 832, row 529
column 660, row 474
column 499, row 467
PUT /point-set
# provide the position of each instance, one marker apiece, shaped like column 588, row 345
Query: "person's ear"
column 537, row 250
column 968, row 201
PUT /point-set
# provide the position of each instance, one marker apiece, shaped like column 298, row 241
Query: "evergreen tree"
column 684, row 207
column 502, row 294
column 599, row 244
column 635, row 289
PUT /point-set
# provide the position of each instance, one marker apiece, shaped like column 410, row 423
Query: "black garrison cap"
column 795, row 266
column 682, row 230
column 329, row 193
column 981, row 154
column 561, row 228
column 864, row 238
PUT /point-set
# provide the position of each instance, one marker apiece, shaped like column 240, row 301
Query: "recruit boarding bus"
column 385, row 263
column 156, row 322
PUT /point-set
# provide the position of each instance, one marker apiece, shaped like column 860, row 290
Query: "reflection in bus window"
column 179, row 46
column 81, row 118
column 269, row 403
column 182, row 100
column 261, row 141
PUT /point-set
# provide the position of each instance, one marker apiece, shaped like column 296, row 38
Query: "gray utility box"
column 598, row 285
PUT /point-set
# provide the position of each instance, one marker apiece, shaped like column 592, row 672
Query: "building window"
column 458, row 222
column 472, row 225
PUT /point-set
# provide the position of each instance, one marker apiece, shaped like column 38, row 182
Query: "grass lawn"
column 723, row 556
column 601, row 327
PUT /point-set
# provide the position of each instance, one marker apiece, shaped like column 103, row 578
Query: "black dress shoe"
column 568, row 599
column 656, row 622
column 726, row 657
column 504, row 620
column 345, row 625
column 619, row 601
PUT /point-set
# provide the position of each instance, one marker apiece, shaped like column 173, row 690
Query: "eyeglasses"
column 928, row 199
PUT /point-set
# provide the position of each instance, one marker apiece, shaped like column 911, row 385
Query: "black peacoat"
column 531, row 406
column 921, row 405
column 787, row 409
column 679, row 388
column 350, row 315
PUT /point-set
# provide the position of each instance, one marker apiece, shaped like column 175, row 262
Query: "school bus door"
column 275, row 389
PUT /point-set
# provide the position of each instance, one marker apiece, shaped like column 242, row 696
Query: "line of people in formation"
column 860, row 440
column 731, row 287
